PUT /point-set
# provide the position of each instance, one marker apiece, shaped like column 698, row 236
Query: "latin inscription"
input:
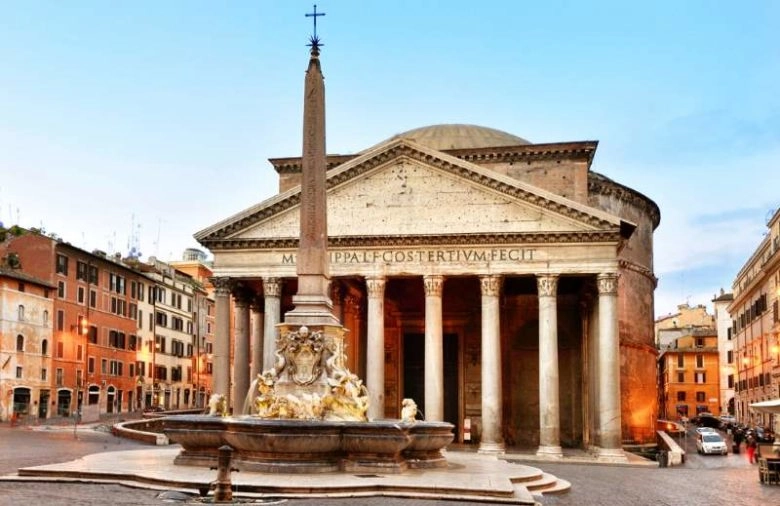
column 423, row 256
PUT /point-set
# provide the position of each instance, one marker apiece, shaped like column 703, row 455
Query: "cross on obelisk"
column 315, row 15
column 312, row 304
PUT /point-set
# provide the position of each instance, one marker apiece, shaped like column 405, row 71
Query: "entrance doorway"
column 43, row 404
column 414, row 375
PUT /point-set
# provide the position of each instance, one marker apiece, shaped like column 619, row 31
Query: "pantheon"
column 503, row 285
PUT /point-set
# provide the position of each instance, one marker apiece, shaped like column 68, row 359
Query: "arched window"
column 20, row 343
column 21, row 313
column 45, row 317
column 44, row 347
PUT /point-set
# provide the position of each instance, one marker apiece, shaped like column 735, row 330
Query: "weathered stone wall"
column 639, row 386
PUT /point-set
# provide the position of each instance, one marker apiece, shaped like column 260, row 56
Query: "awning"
column 772, row 406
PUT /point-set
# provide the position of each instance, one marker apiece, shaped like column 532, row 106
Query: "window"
column 92, row 298
column 58, row 375
column 680, row 360
column 18, row 372
column 62, row 264
column 20, row 343
column 731, row 380
column 60, row 320
column 81, row 270
column 700, row 342
column 177, row 323
column 43, row 374
column 45, row 317
column 91, row 365
column 20, row 313
column 60, row 347
column 104, row 366
column 680, row 377
column 21, row 287
column 131, row 370
column 141, row 289
column 93, row 334
column 699, row 360
column 730, row 356
column 80, row 296
column 160, row 340
column 93, row 275
column 132, row 342
column 45, row 347
column 700, row 397
column 115, row 368
column 161, row 319
column 141, row 368
column 701, row 377
column 79, row 353
column 61, row 289
column 681, row 396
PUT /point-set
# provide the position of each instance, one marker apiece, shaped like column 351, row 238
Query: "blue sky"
column 163, row 114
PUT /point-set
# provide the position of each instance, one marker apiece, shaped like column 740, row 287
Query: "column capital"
column 547, row 284
column 272, row 287
column 243, row 295
column 222, row 285
column 433, row 284
column 490, row 285
column 375, row 285
column 607, row 283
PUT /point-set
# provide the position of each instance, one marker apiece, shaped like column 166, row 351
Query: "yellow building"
column 756, row 329
column 689, row 374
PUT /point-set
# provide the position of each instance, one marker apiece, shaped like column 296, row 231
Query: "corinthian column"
column 611, row 448
column 375, row 354
column 272, row 292
column 549, row 403
column 221, row 371
column 241, row 355
column 434, row 349
column 492, row 440
column 256, row 308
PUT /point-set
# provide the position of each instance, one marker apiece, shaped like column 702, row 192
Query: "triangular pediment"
column 403, row 189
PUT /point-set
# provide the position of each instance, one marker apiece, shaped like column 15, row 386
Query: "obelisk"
column 312, row 303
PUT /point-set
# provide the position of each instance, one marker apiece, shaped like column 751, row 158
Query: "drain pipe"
column 223, row 488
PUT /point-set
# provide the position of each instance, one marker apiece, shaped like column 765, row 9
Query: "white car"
column 705, row 430
column 710, row 443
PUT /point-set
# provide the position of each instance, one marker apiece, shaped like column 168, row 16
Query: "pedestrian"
column 737, row 438
column 751, row 445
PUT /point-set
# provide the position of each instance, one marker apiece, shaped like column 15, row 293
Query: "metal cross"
column 315, row 15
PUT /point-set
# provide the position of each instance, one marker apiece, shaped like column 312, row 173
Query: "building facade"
column 756, row 328
column 728, row 366
column 26, row 307
column 494, row 281
column 689, row 373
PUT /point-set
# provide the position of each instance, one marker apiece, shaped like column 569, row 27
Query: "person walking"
column 751, row 445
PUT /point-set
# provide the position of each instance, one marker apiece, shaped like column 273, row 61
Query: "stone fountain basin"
column 309, row 446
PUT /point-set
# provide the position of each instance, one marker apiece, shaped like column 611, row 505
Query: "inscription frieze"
column 462, row 255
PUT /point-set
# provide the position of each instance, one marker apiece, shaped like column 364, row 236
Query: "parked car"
column 704, row 420
column 710, row 443
column 671, row 427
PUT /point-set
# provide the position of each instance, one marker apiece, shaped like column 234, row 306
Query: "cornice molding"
column 602, row 185
column 480, row 239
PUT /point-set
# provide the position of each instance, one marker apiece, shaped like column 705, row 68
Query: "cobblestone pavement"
column 711, row 480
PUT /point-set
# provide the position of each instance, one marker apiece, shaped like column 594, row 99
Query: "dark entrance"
column 414, row 375
column 43, row 404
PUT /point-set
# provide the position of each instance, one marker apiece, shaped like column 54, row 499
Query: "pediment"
column 401, row 189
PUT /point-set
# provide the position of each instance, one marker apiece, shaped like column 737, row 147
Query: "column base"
column 613, row 455
column 549, row 452
column 487, row 448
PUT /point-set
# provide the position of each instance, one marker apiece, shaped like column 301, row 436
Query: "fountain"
column 309, row 412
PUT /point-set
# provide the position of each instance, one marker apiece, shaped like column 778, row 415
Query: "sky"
column 141, row 123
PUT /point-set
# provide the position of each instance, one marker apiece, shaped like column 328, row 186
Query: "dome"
column 454, row 136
